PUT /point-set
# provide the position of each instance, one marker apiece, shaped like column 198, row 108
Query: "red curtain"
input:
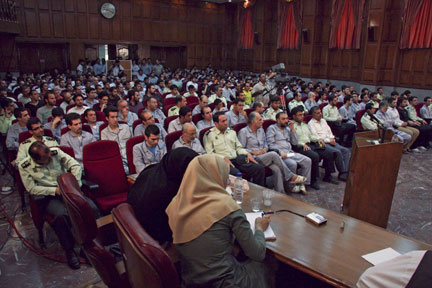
column 346, row 24
column 289, row 24
column 417, row 25
column 246, row 31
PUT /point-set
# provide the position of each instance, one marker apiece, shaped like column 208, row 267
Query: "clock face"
column 108, row 10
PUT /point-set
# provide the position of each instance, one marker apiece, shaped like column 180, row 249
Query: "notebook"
column 268, row 233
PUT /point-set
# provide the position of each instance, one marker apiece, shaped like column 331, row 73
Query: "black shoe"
column 343, row 177
column 330, row 180
column 73, row 260
column 315, row 186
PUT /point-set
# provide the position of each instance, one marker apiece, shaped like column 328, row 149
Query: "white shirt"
column 321, row 130
column 394, row 114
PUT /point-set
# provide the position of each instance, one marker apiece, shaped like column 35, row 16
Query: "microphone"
column 372, row 116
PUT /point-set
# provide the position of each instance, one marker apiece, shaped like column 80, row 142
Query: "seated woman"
column 153, row 190
column 205, row 220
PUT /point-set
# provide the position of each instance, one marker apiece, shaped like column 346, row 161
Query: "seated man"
column 44, row 112
column 6, row 114
column 425, row 136
column 103, row 102
column 321, row 130
column 76, row 137
column 189, row 139
column 79, row 107
column 218, row 91
column 223, row 141
column 259, row 108
column 315, row 149
column 347, row 111
column 91, row 97
column 310, row 102
column 22, row 115
column 185, row 116
column 119, row 133
column 91, row 118
column 281, row 137
column 57, row 123
column 241, row 95
column 345, row 131
column 125, row 115
column 219, row 106
column 152, row 107
column 35, row 129
column 237, row 114
column 370, row 122
column 203, row 102
column 426, row 110
column 191, row 91
column 174, row 92
column 150, row 151
column 297, row 101
column 253, row 138
column 180, row 101
column 274, row 108
column 364, row 100
column 148, row 119
column 39, row 172
column 207, row 120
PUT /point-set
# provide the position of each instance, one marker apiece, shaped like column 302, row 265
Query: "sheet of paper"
column 229, row 190
column 268, row 233
column 381, row 256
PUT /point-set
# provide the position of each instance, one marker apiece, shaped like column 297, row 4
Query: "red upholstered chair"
column 85, row 127
column 359, row 115
column 212, row 106
column 339, row 104
column 104, row 125
column 129, row 151
column 192, row 100
column 89, row 232
column 68, row 150
column 136, row 123
column 100, row 116
column 26, row 134
column 103, row 166
column 248, row 111
column 202, row 133
column 418, row 107
column 168, row 120
column 229, row 104
column 267, row 123
column 147, row 264
column 171, row 138
column 196, row 118
column 322, row 105
column 191, row 106
column 307, row 118
column 238, row 127
column 303, row 99
column 166, row 108
column 165, row 94
column 169, row 101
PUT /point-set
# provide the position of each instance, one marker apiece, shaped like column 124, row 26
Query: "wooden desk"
column 326, row 252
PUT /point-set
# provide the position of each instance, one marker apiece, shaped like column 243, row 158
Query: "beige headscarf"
column 201, row 200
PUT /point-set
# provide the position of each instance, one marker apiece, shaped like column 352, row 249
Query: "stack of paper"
column 268, row 233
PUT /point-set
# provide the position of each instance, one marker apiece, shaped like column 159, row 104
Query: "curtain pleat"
column 346, row 24
column 421, row 29
column 411, row 9
column 246, row 37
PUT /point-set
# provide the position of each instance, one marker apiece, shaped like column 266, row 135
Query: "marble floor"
column 411, row 215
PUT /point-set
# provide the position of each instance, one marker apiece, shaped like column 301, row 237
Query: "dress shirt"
column 294, row 103
column 77, row 110
column 331, row 113
column 347, row 114
column 394, row 116
column 281, row 140
column 140, row 130
column 412, row 113
column 173, row 111
column 158, row 114
column 95, row 129
column 225, row 144
column 90, row 104
column 321, row 130
column 368, row 124
column 203, row 124
column 56, row 130
column 261, row 97
column 43, row 113
column 309, row 104
column 77, row 143
column 426, row 112
column 132, row 117
column 120, row 137
column 356, row 107
column 143, row 156
column 175, row 125
column 270, row 113
column 177, row 83
column 194, row 145
column 196, row 110
column 251, row 141
column 213, row 97
column 13, row 135
column 304, row 135
column 233, row 119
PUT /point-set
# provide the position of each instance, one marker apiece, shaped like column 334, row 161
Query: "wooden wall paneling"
column 137, row 8
column 29, row 3
column 93, row 6
column 94, row 26
column 58, row 25
column 69, row 5
column 43, row 4
column 125, row 6
column 28, row 56
column 156, row 30
column 76, row 52
column 116, row 28
column 126, row 29
column 53, row 56
column 81, row 5
column 31, row 24
column 45, row 24
column 70, row 25
column 105, row 29
column 82, row 26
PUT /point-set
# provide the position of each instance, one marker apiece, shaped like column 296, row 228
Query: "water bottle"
column 238, row 189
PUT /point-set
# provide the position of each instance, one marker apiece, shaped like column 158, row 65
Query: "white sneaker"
column 296, row 189
column 6, row 190
column 422, row 148
column 303, row 189
column 416, row 150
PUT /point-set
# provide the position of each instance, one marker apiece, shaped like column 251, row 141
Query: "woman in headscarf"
column 205, row 221
column 153, row 190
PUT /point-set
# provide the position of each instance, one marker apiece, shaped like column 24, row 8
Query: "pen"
column 265, row 213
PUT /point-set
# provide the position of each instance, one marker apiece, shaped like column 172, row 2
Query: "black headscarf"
column 154, row 189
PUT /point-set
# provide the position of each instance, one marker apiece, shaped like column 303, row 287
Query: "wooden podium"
column 372, row 178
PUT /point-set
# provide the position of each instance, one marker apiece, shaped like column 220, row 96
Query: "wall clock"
column 108, row 10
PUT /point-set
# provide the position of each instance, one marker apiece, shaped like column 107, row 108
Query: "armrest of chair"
column 106, row 231
column 88, row 187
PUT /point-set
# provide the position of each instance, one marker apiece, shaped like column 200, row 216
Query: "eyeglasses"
column 36, row 128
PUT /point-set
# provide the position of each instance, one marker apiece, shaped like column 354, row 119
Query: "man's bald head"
column 189, row 132
column 40, row 153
